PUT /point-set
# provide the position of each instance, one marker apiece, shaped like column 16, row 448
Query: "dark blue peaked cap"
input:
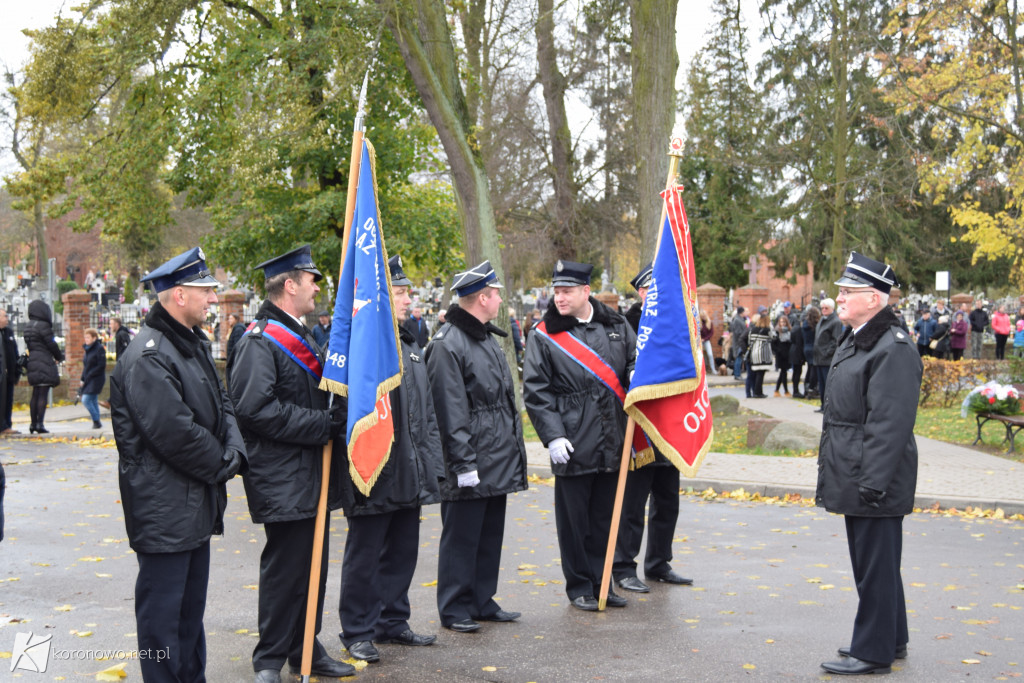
column 300, row 258
column 398, row 276
column 571, row 274
column 475, row 279
column 862, row 271
column 187, row 269
column 644, row 277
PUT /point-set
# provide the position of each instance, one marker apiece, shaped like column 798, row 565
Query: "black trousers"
column 661, row 485
column 469, row 557
column 876, row 549
column 170, row 598
column 284, row 582
column 583, row 518
column 380, row 558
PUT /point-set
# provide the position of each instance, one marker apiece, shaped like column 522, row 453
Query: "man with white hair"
column 867, row 461
column 826, row 339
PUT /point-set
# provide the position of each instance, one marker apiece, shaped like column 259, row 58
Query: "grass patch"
column 731, row 437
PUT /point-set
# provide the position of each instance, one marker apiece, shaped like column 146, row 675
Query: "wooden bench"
column 1012, row 423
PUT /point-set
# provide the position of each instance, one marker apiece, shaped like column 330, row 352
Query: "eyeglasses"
column 847, row 292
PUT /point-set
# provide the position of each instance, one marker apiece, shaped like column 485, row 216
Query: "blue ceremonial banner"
column 364, row 360
column 668, row 395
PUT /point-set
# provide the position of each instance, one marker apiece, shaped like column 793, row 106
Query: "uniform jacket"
column 410, row 477
column 564, row 400
column 94, row 368
column 867, row 438
column 122, row 338
column 474, row 397
column 174, row 425
column 283, row 416
column 826, row 338
column 43, row 352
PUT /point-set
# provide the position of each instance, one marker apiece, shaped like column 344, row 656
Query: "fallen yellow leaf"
column 971, row 661
column 488, row 668
column 749, row 666
column 114, row 673
column 429, row 583
column 63, row 608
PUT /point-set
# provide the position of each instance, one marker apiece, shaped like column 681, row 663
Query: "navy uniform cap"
column 187, row 269
column 300, row 258
column 475, row 279
column 398, row 276
column 644, row 277
column 571, row 274
column 862, row 271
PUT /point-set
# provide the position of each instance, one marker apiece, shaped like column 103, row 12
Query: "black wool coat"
column 94, row 368
column 867, row 462
column 43, row 352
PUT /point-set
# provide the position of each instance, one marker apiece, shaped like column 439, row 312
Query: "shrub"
column 944, row 381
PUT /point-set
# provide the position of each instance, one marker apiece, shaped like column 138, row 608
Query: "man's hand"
column 559, row 450
column 871, row 497
column 232, row 463
column 468, row 479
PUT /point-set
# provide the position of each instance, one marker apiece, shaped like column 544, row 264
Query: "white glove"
column 468, row 479
column 559, row 450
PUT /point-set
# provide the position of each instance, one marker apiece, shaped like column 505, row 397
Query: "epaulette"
column 256, row 327
column 150, row 347
column 899, row 335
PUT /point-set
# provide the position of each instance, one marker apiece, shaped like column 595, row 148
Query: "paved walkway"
column 953, row 476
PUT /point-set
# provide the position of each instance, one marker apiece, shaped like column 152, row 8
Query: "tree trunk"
column 840, row 146
column 654, row 67
column 558, row 131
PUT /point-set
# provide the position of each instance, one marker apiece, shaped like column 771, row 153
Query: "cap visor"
column 317, row 275
column 401, row 282
column 847, row 281
column 566, row 283
column 496, row 285
column 208, row 281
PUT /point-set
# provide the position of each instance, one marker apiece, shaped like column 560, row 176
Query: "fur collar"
column 271, row 311
column 875, row 329
column 406, row 336
column 187, row 341
column 555, row 322
column 470, row 325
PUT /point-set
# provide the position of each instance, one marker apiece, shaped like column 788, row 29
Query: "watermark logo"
column 31, row 652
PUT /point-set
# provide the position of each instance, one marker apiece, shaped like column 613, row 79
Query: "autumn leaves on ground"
column 773, row 595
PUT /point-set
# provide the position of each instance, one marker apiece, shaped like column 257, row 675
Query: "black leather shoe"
column 615, row 600
column 502, row 615
column 634, row 585
column 464, row 626
column 587, row 603
column 671, row 577
column 268, row 676
column 364, row 650
column 407, row 637
column 40, row 429
column 325, row 666
column 797, row 394
column 901, row 652
column 851, row 666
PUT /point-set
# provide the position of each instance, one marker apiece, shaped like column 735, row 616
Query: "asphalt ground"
column 773, row 595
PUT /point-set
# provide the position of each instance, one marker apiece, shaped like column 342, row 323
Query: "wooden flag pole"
column 675, row 153
column 319, row 530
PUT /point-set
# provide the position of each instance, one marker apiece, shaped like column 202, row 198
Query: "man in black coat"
column 178, row 444
column 867, row 462
column 484, row 454
column 418, row 326
column 979, row 322
column 122, row 337
column 659, row 481
column 13, row 372
column 580, row 418
column 274, row 380
column 384, row 527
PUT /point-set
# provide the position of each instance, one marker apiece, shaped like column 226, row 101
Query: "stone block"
column 794, row 436
column 758, row 430
column 724, row 405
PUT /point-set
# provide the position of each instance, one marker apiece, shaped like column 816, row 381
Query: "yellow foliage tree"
column 959, row 63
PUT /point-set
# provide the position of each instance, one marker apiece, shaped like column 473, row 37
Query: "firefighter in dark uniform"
column 178, row 444
column 581, row 421
column 285, row 420
column 658, row 480
column 384, row 527
column 867, row 462
column 484, row 454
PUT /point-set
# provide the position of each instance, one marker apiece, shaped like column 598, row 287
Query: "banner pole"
column 675, row 153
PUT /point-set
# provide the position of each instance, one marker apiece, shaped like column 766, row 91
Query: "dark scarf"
column 555, row 322
column 469, row 324
column 187, row 341
column 875, row 329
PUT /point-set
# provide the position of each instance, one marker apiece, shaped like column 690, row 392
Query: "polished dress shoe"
column 40, row 429
column 268, row 676
column 325, row 666
column 464, row 626
column 634, row 585
column 851, row 666
column 364, row 650
column 587, row 603
column 671, row 577
column 502, row 615
column 901, row 651
column 615, row 600
column 407, row 637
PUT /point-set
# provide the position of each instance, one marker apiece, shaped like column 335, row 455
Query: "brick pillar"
column 76, row 321
column 711, row 299
column 750, row 297
column 231, row 302
column 609, row 299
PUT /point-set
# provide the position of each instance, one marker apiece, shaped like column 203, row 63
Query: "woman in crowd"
column 707, row 330
column 782, row 344
column 1001, row 328
column 958, row 335
column 759, row 355
column 807, row 329
column 94, row 375
column 796, row 357
column 43, row 356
